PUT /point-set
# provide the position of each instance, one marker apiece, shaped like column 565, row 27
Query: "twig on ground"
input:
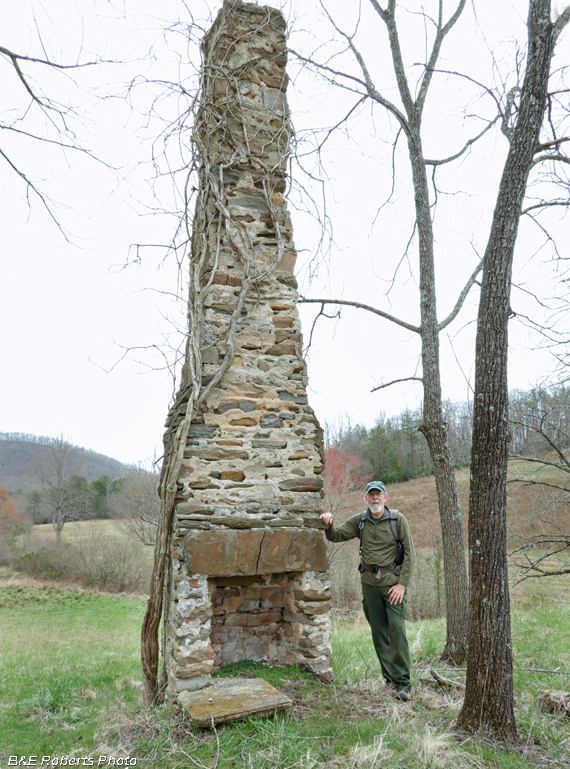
column 448, row 682
column 540, row 670
column 362, row 655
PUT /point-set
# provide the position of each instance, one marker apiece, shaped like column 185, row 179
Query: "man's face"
column 376, row 500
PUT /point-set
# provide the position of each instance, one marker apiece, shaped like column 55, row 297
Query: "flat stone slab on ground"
column 233, row 699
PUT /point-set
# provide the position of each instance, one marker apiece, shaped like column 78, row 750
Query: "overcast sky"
column 84, row 322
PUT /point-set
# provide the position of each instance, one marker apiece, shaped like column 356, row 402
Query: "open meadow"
column 70, row 688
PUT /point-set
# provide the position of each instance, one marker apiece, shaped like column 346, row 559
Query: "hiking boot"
column 403, row 695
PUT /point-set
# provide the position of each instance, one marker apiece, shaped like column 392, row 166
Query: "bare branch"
column 396, row 381
column 320, row 314
column 442, row 32
column 558, row 157
column 360, row 306
column 42, row 197
column 388, row 16
column 448, row 682
column 465, row 147
column 560, row 23
column 332, row 71
column 531, row 482
column 15, row 57
column 368, row 83
column 554, row 143
column 462, row 296
column 546, row 204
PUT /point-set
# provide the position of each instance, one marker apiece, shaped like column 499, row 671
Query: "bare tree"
column 137, row 505
column 412, row 93
column 60, row 462
column 488, row 707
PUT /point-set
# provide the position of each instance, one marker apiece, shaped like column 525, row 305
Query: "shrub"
column 107, row 563
column 5, row 552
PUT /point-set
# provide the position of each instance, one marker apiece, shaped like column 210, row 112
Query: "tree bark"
column 489, row 703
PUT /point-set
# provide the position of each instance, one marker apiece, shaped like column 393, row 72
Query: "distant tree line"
column 42, row 440
column 394, row 450
column 81, row 499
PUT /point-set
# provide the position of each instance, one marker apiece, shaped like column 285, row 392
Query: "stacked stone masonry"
column 248, row 573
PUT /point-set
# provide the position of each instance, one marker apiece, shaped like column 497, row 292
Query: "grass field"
column 70, row 686
column 74, row 529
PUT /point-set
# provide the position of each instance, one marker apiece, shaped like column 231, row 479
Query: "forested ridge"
column 394, row 449
column 21, row 453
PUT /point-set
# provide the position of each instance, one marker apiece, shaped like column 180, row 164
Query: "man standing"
column 384, row 583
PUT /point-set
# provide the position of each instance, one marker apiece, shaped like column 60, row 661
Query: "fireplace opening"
column 251, row 619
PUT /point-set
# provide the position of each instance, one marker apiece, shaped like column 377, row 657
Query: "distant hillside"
column 21, row 453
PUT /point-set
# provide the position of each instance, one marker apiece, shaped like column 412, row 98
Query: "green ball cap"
column 375, row 485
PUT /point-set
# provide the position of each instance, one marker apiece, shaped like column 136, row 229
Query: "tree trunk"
column 454, row 557
column 434, row 427
column 489, row 703
column 58, row 523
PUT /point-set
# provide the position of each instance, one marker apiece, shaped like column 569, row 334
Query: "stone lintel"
column 255, row 551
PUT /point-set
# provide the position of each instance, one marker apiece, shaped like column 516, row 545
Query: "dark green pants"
column 387, row 623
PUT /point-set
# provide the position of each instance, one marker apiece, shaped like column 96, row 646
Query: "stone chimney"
column 248, row 570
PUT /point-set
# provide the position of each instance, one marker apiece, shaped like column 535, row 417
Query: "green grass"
column 68, row 657
column 70, row 686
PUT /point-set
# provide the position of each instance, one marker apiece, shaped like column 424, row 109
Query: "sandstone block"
column 275, row 82
column 232, row 475
column 302, row 484
column 315, row 607
column 299, row 455
column 270, row 420
column 202, row 483
column 216, row 453
column 195, row 670
column 241, row 405
column 184, row 656
column 192, row 684
column 283, row 321
column 268, row 443
column 286, row 348
column 312, row 595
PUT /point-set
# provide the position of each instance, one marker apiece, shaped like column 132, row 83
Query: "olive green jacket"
column 379, row 546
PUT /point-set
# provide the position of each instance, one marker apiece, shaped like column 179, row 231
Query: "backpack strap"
column 360, row 527
column 394, row 524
